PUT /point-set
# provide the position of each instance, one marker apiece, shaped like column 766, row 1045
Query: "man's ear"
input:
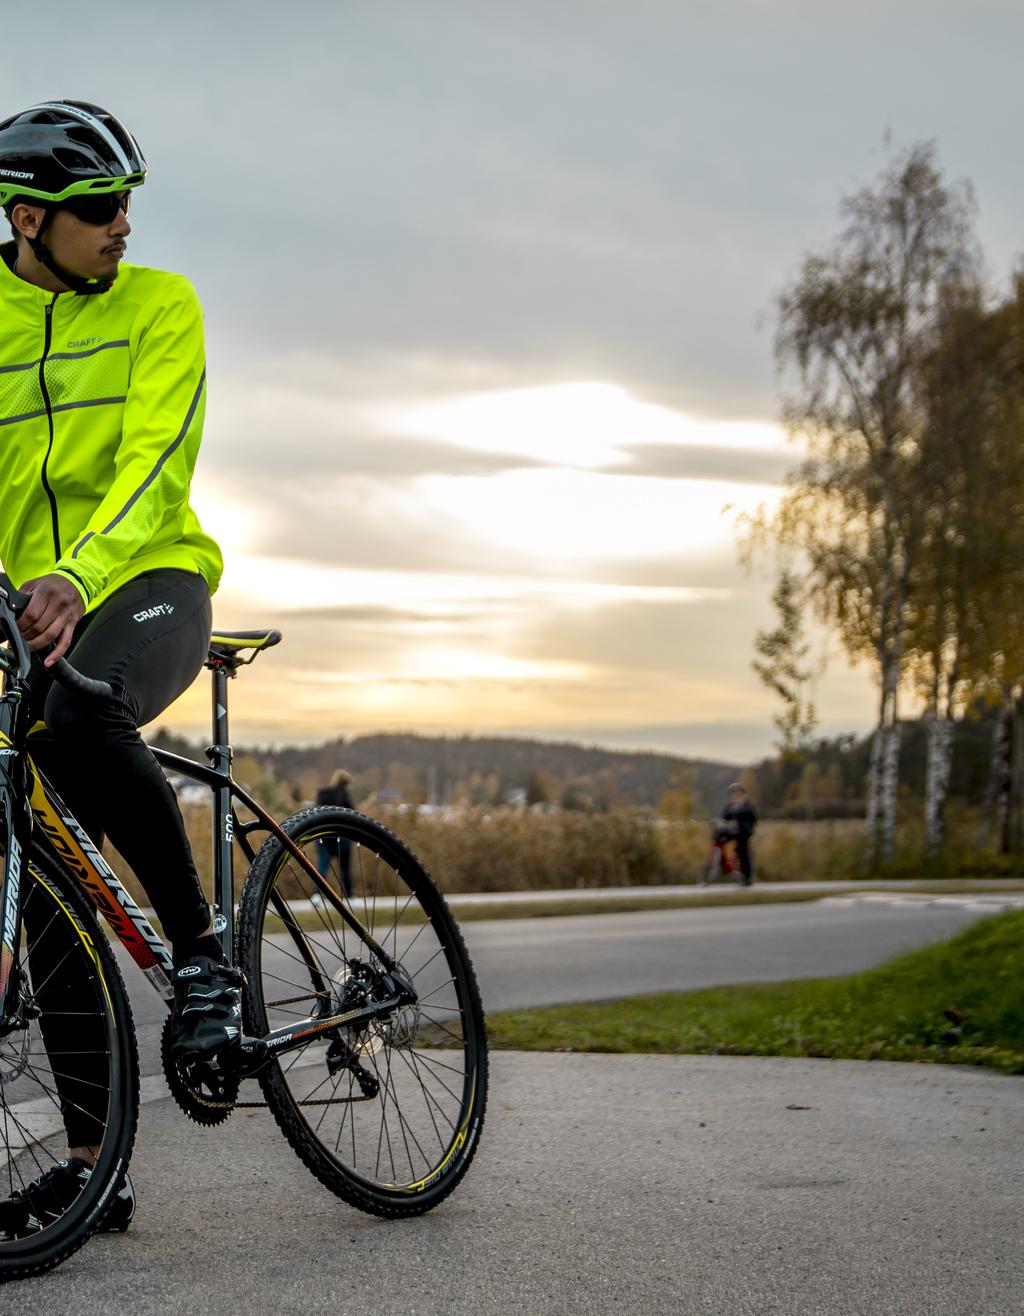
column 27, row 218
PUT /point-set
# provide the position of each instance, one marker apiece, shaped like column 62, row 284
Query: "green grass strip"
column 959, row 1002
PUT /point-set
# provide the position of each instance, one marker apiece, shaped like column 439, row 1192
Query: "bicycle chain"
column 294, row 1000
column 190, row 1094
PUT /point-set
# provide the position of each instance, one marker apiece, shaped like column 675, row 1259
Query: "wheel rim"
column 396, row 1112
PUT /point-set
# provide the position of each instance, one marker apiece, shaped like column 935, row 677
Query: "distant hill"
column 488, row 769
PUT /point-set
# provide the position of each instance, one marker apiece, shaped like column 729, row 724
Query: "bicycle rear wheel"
column 68, row 1074
column 387, row 1115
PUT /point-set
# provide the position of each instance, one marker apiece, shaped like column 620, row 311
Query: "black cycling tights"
column 149, row 640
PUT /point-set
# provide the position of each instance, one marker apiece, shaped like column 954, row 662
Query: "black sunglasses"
column 99, row 208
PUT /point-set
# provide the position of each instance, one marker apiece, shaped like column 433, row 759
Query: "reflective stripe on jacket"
column 101, row 414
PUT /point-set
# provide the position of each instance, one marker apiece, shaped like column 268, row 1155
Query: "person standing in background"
column 335, row 852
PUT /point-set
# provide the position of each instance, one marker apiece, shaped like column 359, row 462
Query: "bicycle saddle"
column 225, row 646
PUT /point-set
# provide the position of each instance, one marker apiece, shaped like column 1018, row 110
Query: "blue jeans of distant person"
column 336, row 853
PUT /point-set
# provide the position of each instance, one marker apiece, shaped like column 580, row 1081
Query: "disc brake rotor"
column 398, row 1029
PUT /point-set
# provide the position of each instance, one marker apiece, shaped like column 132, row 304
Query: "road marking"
column 991, row 904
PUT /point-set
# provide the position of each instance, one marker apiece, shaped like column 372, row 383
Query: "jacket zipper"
column 55, row 524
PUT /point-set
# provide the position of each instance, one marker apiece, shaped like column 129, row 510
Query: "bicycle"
column 723, row 858
column 362, row 1021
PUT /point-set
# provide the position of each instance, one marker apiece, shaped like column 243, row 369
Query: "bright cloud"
column 583, row 424
column 572, row 516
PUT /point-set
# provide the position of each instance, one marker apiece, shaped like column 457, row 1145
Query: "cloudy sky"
column 488, row 294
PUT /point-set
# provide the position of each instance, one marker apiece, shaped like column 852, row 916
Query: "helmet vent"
column 72, row 159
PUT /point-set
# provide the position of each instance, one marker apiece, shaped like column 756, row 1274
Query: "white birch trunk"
column 890, row 779
column 874, row 778
column 889, row 750
column 939, row 764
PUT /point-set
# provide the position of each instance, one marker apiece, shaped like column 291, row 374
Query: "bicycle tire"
column 62, row 913
column 396, row 1160
column 710, row 871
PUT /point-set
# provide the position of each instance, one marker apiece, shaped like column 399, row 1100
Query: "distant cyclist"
column 102, row 396
column 740, row 814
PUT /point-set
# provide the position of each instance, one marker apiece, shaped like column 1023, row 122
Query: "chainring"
column 204, row 1099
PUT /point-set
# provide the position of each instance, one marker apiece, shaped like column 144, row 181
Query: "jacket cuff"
column 76, row 580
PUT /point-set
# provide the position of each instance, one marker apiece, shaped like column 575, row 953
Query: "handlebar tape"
column 72, row 679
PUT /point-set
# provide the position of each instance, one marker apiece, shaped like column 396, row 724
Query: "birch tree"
column 853, row 326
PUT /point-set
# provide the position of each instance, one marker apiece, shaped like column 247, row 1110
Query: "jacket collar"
column 17, row 292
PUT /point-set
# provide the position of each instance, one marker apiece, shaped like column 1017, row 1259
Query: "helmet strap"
column 43, row 254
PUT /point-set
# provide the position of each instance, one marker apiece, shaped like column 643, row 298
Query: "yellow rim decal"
column 458, row 1143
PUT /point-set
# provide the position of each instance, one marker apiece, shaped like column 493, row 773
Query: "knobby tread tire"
column 41, row 1252
column 356, row 827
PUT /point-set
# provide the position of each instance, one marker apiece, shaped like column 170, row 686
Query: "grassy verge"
column 960, row 1002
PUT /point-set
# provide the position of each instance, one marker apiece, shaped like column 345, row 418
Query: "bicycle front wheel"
column 388, row 1114
column 68, row 1076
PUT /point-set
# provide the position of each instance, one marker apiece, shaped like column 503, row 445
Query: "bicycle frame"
column 21, row 781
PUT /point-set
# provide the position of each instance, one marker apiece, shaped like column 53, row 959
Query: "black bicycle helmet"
column 61, row 149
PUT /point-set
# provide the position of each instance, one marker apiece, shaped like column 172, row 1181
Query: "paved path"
column 604, row 1184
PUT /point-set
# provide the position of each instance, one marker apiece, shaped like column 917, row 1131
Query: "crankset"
column 205, row 1092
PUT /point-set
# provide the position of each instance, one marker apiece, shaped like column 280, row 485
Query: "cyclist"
column 102, row 396
column 740, row 814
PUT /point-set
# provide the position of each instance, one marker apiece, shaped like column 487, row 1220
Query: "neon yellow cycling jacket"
column 101, row 414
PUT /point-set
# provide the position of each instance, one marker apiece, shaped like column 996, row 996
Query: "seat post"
column 219, row 754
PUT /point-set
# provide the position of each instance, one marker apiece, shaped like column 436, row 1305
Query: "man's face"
column 92, row 251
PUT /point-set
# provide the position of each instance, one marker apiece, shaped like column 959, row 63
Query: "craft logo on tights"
column 157, row 610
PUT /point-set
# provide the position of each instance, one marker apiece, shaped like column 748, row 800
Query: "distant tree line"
column 481, row 770
column 903, row 527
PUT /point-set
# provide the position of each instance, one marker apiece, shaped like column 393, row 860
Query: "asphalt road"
column 650, row 1185
column 525, row 962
